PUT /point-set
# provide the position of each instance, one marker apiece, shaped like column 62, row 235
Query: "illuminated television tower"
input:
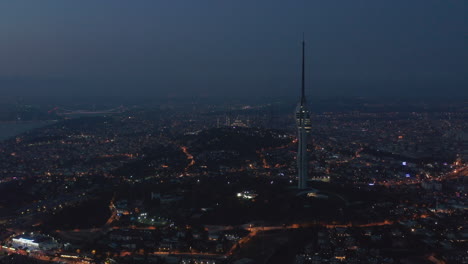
column 303, row 130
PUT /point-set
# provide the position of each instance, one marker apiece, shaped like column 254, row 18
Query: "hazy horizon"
column 209, row 48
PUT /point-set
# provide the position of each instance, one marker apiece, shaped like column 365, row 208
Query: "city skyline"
column 207, row 132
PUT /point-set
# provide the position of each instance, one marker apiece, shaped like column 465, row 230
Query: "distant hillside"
column 232, row 146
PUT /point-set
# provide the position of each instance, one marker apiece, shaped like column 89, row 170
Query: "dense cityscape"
column 207, row 183
column 233, row 132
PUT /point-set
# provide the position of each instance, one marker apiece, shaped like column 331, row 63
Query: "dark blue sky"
column 238, row 47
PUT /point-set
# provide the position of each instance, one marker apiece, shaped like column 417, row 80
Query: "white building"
column 34, row 242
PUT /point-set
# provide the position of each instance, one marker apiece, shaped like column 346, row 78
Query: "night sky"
column 235, row 48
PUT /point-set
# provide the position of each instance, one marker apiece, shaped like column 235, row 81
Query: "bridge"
column 61, row 111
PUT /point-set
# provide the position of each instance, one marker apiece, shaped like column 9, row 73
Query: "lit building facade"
column 34, row 242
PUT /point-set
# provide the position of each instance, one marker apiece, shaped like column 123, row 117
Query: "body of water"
column 11, row 129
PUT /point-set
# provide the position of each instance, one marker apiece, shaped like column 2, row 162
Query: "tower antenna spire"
column 303, row 71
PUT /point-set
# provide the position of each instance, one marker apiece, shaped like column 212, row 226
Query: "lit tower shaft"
column 303, row 130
